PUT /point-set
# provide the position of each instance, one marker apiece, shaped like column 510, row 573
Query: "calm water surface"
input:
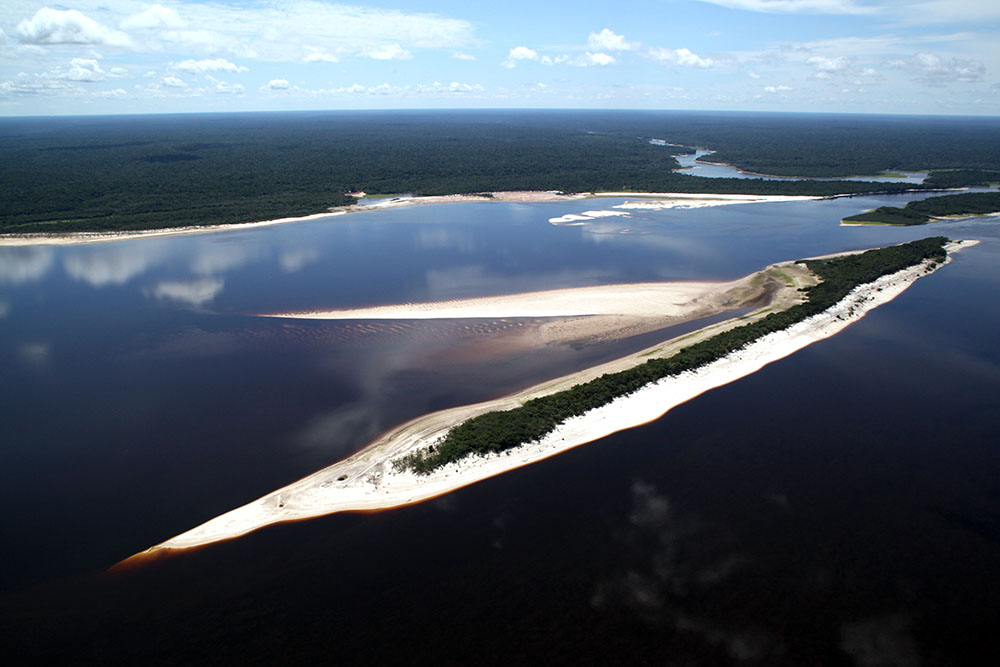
column 839, row 506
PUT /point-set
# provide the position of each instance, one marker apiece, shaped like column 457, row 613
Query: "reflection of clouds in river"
column 881, row 640
column 297, row 259
column 35, row 355
column 4, row 307
column 215, row 258
column 448, row 238
column 22, row 265
column 192, row 292
column 111, row 265
column 671, row 563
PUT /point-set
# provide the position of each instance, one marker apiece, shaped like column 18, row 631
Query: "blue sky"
column 871, row 56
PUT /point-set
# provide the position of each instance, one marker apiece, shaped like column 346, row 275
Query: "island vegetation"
column 151, row 172
column 960, row 178
column 503, row 430
column 922, row 211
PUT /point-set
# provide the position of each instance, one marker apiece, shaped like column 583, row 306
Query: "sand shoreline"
column 526, row 196
column 367, row 481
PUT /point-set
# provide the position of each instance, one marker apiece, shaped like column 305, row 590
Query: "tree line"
column 505, row 429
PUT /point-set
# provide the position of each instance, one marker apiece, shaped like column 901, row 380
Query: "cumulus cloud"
column 155, row 16
column 519, row 54
column 208, row 65
column 321, row 57
column 679, row 57
column 777, row 89
column 173, row 82
column 606, row 40
column 68, row 26
column 276, row 84
column 796, row 6
column 458, row 55
column 588, row 59
column 388, row 52
column 933, row 70
column 826, row 67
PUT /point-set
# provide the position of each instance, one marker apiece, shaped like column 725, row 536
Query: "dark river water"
column 841, row 506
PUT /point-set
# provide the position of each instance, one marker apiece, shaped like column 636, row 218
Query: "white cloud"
column 606, row 40
column 934, row 70
column 321, row 57
column 827, row 67
column 173, row 82
column 276, row 84
column 225, row 88
column 155, row 16
column 588, row 59
column 777, row 89
column 59, row 26
column 947, row 11
column 203, row 66
column 796, row 6
column 192, row 292
column 85, row 69
column 679, row 57
column 458, row 55
column 518, row 54
column 388, row 52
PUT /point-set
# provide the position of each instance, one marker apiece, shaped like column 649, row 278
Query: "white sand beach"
column 368, row 481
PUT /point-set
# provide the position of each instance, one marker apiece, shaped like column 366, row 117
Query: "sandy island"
column 368, row 481
column 584, row 313
column 691, row 200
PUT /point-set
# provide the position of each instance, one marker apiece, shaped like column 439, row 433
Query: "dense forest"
column 502, row 430
column 957, row 178
column 922, row 211
column 140, row 172
column 844, row 145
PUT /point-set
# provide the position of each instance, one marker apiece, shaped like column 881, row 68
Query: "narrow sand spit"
column 78, row 238
column 368, row 481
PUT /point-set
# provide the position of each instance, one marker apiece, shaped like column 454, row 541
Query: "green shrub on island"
column 505, row 429
column 922, row 211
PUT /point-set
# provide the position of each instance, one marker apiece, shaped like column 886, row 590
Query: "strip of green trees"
column 505, row 429
column 922, row 211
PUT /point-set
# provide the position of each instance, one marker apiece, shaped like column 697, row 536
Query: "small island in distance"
column 923, row 211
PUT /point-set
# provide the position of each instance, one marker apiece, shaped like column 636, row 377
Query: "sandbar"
column 368, row 481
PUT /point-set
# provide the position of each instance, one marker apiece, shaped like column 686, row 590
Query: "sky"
column 853, row 56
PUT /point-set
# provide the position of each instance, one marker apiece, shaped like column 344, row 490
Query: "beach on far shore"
column 690, row 200
column 368, row 480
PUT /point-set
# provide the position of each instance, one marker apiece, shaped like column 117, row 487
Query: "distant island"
column 91, row 174
column 443, row 451
column 922, row 211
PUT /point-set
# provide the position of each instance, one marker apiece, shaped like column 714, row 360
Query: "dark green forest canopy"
column 503, row 430
column 922, row 211
column 821, row 145
column 140, row 172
